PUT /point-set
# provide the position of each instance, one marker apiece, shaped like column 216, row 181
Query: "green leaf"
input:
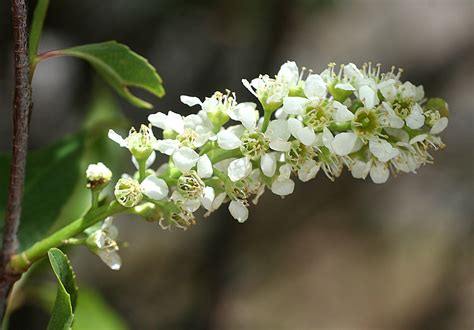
column 93, row 313
column 37, row 27
column 55, row 187
column 62, row 314
column 121, row 68
column 51, row 176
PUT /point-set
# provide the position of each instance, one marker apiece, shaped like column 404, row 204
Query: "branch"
column 22, row 105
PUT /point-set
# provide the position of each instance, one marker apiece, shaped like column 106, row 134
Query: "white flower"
column 140, row 143
column 102, row 242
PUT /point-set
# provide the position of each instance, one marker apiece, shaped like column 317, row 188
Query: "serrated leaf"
column 121, row 68
column 62, row 314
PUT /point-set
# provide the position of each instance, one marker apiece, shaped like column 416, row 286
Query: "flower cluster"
column 369, row 122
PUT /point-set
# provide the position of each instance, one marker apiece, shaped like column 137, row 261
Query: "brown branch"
column 22, row 105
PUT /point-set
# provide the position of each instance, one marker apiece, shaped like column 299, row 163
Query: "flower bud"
column 128, row 192
column 98, row 175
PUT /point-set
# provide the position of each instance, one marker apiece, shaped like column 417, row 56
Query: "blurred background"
column 342, row 255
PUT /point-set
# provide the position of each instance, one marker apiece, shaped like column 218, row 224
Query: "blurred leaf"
column 62, row 314
column 121, row 68
column 93, row 313
column 55, row 191
column 104, row 113
column 51, row 175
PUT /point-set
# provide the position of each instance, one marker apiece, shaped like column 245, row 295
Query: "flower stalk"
column 19, row 263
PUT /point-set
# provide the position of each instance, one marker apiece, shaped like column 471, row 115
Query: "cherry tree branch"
column 22, row 105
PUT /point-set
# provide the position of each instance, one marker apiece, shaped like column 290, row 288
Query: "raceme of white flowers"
column 370, row 122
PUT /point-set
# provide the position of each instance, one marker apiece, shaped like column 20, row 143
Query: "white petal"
column 418, row 138
column 379, row 173
column 289, row 73
column 283, row 188
column 167, row 146
column 343, row 143
column 360, row 169
column 400, row 134
column 247, row 115
column 268, row 164
column 117, row 138
column 305, row 134
column 345, row 87
column 285, row 172
column 278, row 129
column 341, row 114
column 159, row 120
column 185, row 158
column 154, row 187
column 239, row 169
column 294, row 105
column 110, row 258
column 368, row 97
column 280, row 145
column 408, row 90
column 352, row 72
column 208, row 197
column 239, row 211
column 327, row 139
column 228, row 140
column 308, row 170
column 439, row 125
column 247, row 85
column 175, row 122
column 382, row 150
column 415, row 119
column 315, row 87
column 204, row 167
column 217, row 202
column 190, row 100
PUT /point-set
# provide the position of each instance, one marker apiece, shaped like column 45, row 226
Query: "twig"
column 22, row 105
